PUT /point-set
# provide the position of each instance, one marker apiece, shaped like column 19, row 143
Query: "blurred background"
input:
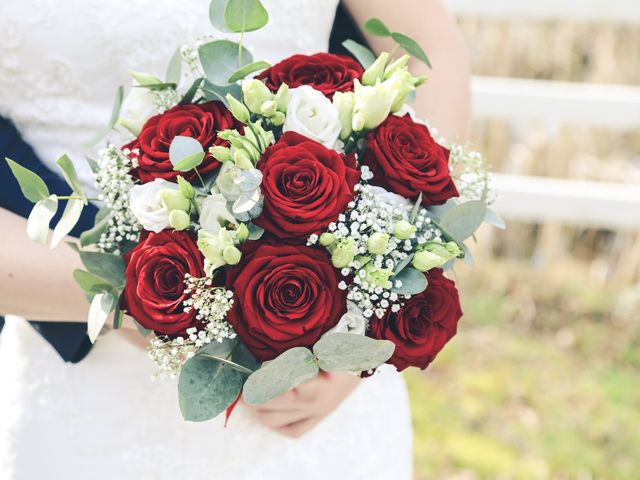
column 543, row 380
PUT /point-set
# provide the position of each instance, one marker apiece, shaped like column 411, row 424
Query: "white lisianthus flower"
column 352, row 321
column 147, row 206
column 313, row 115
column 372, row 105
column 214, row 211
column 137, row 108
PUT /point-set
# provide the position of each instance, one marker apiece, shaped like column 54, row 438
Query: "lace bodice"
column 61, row 61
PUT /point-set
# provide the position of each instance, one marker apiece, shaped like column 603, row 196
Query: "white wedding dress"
column 104, row 418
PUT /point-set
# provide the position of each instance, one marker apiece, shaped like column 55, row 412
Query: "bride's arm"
column 36, row 282
column 445, row 99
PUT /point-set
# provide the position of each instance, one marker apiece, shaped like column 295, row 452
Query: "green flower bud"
column 186, row 189
column 344, row 102
column 145, row 78
column 220, row 153
column 357, row 122
column 425, row 261
column 372, row 105
column 231, row 255
column 174, row 200
column 342, row 254
column 419, row 80
column 378, row 277
column 399, row 64
column 327, row 239
column 268, row 108
column 377, row 243
column 403, row 230
column 446, row 251
column 212, row 246
column 179, row 219
column 282, row 98
column 255, row 93
column 238, row 109
column 375, row 70
column 278, row 119
column 242, row 233
column 242, row 160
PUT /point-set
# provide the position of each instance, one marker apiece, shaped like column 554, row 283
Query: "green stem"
column 201, row 180
column 76, row 197
column 240, row 49
column 260, row 148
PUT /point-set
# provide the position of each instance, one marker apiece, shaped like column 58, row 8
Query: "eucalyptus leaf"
column 416, row 209
column 468, row 258
column 217, row 92
column 174, row 68
column 91, row 283
column 492, row 218
column 247, row 69
column 291, row 368
column 40, row 217
column 255, row 232
column 206, row 387
column 413, row 282
column 365, row 56
column 184, row 152
column 216, row 14
column 115, row 114
column 462, row 220
column 101, row 224
column 437, row 211
column 157, row 86
column 70, row 217
column 403, row 263
column 101, row 306
column 245, row 15
column 411, row 47
column 105, row 265
column 33, row 187
column 71, row 176
column 191, row 92
column 375, row 26
column 242, row 356
column 220, row 60
column 349, row 352
column 223, row 352
column 143, row 331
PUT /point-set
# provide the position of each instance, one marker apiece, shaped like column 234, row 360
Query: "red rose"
column 326, row 72
column 404, row 158
column 284, row 296
column 305, row 186
column 200, row 121
column 154, row 289
column 423, row 325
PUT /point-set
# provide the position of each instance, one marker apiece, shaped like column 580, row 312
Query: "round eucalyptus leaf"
column 290, row 369
column 412, row 282
column 183, row 148
column 247, row 69
column 206, row 387
column 220, row 59
column 216, row 15
column 245, row 15
column 349, row 352
column 462, row 220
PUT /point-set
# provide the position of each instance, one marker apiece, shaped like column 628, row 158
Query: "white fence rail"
column 602, row 11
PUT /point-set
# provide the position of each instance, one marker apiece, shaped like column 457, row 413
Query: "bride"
column 104, row 417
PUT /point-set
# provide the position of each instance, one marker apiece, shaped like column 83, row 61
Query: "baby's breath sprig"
column 114, row 181
column 212, row 304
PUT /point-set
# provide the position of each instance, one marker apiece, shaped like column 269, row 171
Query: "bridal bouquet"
column 266, row 222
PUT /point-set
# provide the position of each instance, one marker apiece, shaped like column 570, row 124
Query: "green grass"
column 542, row 382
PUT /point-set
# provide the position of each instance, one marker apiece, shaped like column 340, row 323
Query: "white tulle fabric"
column 104, row 418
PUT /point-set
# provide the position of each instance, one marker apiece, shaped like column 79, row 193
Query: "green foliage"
column 90, row 282
column 245, row 15
column 174, row 68
column 101, row 305
column 106, row 266
column 208, row 382
column 375, row 26
column 290, row 369
column 216, row 14
column 185, row 153
column 191, row 92
column 492, row 218
column 347, row 352
column 33, row 187
column 247, row 69
column 416, row 208
column 40, row 217
column 462, row 220
column 115, row 114
column 365, row 56
column 221, row 58
column 101, row 223
column 413, row 282
column 217, row 92
column 70, row 217
column 71, row 176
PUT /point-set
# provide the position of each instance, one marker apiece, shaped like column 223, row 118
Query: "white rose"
column 214, row 211
column 313, row 115
column 352, row 321
column 137, row 108
column 147, row 205
column 390, row 198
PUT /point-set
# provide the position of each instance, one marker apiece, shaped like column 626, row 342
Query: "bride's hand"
column 298, row 411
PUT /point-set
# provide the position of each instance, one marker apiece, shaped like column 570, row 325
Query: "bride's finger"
column 277, row 419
